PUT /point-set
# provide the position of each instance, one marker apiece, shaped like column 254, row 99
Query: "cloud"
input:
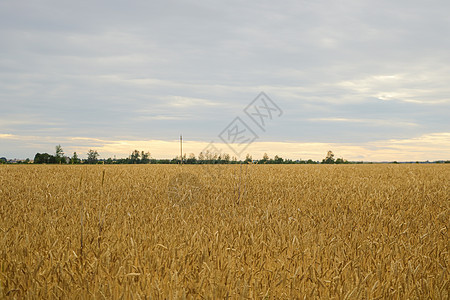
column 370, row 122
column 183, row 102
column 423, row 88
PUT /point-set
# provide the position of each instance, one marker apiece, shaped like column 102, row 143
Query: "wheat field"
column 225, row 231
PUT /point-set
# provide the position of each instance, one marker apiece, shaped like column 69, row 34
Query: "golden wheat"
column 253, row 231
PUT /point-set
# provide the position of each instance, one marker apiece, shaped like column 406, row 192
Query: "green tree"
column 44, row 158
column 134, row 157
column 201, row 157
column 59, row 155
column 59, row 151
column 265, row 158
column 145, row 157
column 341, row 161
column 75, row 159
column 277, row 160
column 329, row 159
column 191, row 159
column 209, row 156
column 92, row 156
column 248, row 159
column 226, row 158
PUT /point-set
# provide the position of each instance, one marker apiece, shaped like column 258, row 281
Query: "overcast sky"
column 369, row 80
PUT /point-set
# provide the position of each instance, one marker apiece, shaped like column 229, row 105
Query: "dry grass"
column 311, row 231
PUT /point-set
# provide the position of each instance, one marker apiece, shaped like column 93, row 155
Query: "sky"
column 369, row 80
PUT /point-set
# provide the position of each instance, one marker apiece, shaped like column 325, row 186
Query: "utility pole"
column 181, row 149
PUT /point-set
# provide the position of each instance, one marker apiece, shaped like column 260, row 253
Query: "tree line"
column 61, row 158
column 141, row 157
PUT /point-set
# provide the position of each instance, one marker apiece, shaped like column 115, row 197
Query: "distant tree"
column 92, row 157
column 134, row 157
column 75, row 159
column 265, row 158
column 226, row 158
column 277, row 160
column 209, row 155
column 121, row 161
column 3, row 160
column 201, row 157
column 145, row 157
column 248, row 159
column 329, row 159
column 38, row 158
column 44, row 158
column 52, row 159
column 59, row 151
column 59, row 155
column 341, row 161
column 191, row 159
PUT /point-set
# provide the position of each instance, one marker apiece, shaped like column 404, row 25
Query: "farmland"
column 253, row 231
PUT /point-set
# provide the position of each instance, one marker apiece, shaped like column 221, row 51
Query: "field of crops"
column 253, row 231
